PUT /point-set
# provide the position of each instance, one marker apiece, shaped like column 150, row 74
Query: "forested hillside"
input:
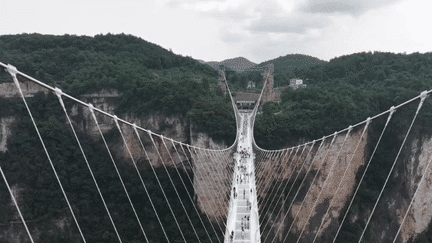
column 238, row 64
column 285, row 65
column 151, row 78
column 350, row 88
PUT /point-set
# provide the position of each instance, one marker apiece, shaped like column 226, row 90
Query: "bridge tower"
column 222, row 80
column 268, row 92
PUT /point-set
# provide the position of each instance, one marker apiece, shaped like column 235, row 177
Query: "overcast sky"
column 214, row 30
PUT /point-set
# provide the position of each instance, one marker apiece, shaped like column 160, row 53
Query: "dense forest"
column 151, row 78
column 350, row 88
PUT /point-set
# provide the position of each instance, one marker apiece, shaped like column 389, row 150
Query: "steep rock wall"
column 396, row 200
column 330, row 160
column 330, row 163
column 175, row 127
column 5, row 131
column 29, row 89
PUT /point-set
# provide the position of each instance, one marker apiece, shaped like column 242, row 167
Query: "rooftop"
column 242, row 96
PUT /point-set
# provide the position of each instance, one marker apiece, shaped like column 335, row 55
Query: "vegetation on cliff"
column 150, row 78
column 344, row 91
column 43, row 204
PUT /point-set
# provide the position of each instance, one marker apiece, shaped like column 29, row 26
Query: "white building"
column 251, row 85
column 296, row 83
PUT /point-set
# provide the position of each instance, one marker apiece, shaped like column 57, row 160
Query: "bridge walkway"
column 243, row 224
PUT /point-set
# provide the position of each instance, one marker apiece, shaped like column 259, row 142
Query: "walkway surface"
column 243, row 221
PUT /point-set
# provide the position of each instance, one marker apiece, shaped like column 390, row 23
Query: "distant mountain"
column 201, row 61
column 238, row 64
column 288, row 63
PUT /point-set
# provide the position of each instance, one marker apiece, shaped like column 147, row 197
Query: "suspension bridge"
column 298, row 194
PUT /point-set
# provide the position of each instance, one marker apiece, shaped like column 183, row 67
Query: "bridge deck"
column 243, row 223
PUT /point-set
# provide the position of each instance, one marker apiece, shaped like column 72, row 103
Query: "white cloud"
column 234, row 10
column 221, row 29
column 230, row 36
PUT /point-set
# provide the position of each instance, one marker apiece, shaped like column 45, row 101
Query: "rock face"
column 332, row 159
column 175, row 127
column 5, row 131
column 159, row 151
column 329, row 165
column 29, row 89
column 395, row 203
column 323, row 163
column 420, row 215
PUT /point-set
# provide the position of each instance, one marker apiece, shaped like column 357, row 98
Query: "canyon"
column 395, row 201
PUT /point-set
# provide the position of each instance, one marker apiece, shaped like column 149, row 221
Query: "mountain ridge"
column 238, row 64
column 282, row 64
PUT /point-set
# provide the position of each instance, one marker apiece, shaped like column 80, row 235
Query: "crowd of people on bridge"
column 242, row 177
column 245, row 222
column 244, row 130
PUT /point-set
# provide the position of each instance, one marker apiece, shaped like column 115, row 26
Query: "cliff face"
column 421, row 213
column 396, row 200
column 310, row 205
column 158, row 152
column 5, row 131
column 175, row 127
column 330, row 163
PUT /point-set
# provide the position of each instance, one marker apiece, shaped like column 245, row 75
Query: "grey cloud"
column 350, row 7
column 292, row 23
column 273, row 19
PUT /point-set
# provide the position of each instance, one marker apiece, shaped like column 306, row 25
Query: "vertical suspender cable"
column 340, row 182
column 16, row 205
column 191, row 163
column 118, row 173
column 190, row 198
column 392, row 110
column 139, row 175
column 59, row 94
column 175, row 189
column 199, row 160
column 325, row 182
column 13, row 71
column 423, row 97
column 300, row 186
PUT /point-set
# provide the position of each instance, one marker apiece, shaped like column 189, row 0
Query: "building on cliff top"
column 246, row 100
column 296, row 83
